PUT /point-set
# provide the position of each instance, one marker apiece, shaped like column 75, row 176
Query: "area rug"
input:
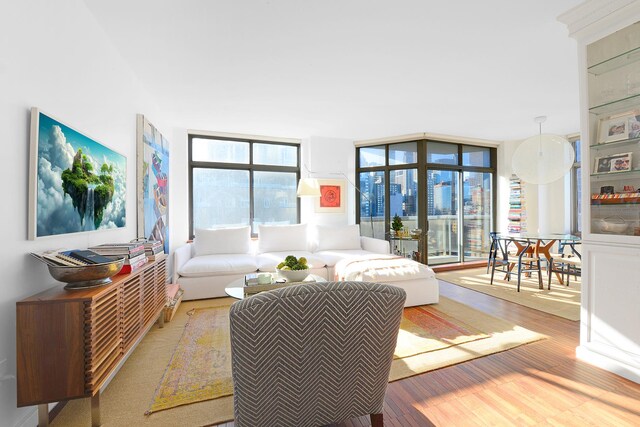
column 561, row 300
column 200, row 368
column 456, row 333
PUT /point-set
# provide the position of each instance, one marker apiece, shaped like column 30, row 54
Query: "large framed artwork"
column 332, row 196
column 76, row 184
column 153, row 183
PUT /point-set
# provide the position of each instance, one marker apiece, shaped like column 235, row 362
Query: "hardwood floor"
column 536, row 384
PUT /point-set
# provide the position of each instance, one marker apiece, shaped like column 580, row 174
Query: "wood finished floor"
column 535, row 384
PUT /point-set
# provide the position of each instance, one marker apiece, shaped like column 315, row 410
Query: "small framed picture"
column 620, row 162
column 332, row 196
column 634, row 126
column 614, row 128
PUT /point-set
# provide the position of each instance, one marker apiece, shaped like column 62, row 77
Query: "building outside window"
column 446, row 189
column 236, row 181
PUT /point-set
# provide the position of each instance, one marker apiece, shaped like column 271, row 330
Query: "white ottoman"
column 418, row 280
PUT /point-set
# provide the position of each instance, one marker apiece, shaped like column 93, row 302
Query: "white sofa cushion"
column 331, row 258
column 278, row 238
column 222, row 241
column 207, row 265
column 269, row 261
column 337, row 237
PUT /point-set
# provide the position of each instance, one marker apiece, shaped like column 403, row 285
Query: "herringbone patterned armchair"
column 311, row 355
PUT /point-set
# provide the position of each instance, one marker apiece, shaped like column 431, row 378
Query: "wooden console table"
column 70, row 343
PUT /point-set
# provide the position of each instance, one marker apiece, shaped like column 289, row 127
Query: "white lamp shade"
column 308, row 187
column 543, row 158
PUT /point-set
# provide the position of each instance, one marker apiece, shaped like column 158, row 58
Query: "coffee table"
column 235, row 289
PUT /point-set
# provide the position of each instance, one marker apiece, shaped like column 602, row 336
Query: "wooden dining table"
column 540, row 244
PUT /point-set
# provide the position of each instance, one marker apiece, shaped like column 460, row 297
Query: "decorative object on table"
column 614, row 128
column 543, row 158
column 620, row 162
column 607, row 189
column 75, row 183
column 612, row 224
column 293, row 269
column 133, row 253
column 416, row 233
column 79, row 272
column 153, row 183
column 396, row 225
column 332, row 196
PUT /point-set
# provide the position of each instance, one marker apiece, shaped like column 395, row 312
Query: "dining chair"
column 525, row 261
column 493, row 250
column 565, row 264
column 311, row 355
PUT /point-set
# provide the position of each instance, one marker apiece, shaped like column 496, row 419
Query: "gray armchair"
column 311, row 355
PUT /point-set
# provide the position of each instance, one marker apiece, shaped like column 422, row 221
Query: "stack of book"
column 133, row 253
column 152, row 248
column 71, row 258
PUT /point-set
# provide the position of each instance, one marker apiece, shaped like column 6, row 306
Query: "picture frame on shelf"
column 620, row 162
column 614, row 128
column 634, row 125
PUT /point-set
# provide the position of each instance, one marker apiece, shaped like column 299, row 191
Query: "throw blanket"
column 380, row 268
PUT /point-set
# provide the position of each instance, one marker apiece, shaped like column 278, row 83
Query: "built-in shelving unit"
column 517, row 209
column 608, row 35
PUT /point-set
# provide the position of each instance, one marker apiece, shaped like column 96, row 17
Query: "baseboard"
column 31, row 418
column 607, row 363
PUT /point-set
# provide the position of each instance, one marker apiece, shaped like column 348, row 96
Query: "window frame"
column 422, row 166
column 250, row 167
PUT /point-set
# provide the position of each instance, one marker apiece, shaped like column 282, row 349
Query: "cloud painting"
column 80, row 183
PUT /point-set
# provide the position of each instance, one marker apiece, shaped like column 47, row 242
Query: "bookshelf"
column 517, row 210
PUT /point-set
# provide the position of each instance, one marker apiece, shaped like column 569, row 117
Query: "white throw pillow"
column 222, row 241
column 338, row 237
column 278, row 238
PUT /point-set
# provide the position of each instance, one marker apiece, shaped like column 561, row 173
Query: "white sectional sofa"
column 218, row 257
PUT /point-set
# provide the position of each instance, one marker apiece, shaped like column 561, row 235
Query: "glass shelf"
column 615, row 175
column 614, row 144
column 619, row 104
column 616, row 62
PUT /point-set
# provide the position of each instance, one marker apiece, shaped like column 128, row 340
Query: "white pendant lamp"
column 543, row 158
column 308, row 187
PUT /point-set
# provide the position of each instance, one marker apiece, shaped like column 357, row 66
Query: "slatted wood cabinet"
column 70, row 343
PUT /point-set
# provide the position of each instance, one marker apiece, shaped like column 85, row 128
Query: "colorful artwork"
column 153, row 183
column 76, row 183
column 332, row 196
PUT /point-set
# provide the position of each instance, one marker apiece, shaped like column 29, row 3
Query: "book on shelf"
column 87, row 256
column 119, row 249
column 128, row 259
column 128, row 268
column 157, row 256
column 61, row 260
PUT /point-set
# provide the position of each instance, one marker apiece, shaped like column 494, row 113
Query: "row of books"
column 71, row 258
column 135, row 254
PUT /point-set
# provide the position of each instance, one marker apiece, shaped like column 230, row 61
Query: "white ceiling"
column 352, row 69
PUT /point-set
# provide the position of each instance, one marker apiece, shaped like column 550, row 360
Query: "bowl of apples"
column 293, row 269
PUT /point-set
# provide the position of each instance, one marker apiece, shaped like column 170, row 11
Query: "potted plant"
column 396, row 225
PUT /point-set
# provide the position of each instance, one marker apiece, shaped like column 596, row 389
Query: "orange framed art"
column 332, row 196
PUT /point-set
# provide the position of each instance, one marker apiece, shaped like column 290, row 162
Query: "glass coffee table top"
column 235, row 289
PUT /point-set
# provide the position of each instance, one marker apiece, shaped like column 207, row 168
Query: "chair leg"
column 377, row 420
column 550, row 272
column 519, row 268
column 540, row 285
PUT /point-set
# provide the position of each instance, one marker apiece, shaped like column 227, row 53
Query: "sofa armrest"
column 377, row 246
column 180, row 257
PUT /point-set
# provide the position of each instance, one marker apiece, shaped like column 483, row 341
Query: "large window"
column 237, row 181
column 445, row 189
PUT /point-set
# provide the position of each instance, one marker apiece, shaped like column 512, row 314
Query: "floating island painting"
column 80, row 182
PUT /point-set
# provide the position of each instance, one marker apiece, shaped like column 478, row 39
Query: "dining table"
column 541, row 244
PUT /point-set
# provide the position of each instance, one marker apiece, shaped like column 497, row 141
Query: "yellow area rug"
column 561, row 300
column 164, row 371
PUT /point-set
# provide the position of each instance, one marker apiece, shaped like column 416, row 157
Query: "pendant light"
column 543, row 158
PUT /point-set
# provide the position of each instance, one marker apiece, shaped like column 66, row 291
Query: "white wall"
column 329, row 158
column 54, row 56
